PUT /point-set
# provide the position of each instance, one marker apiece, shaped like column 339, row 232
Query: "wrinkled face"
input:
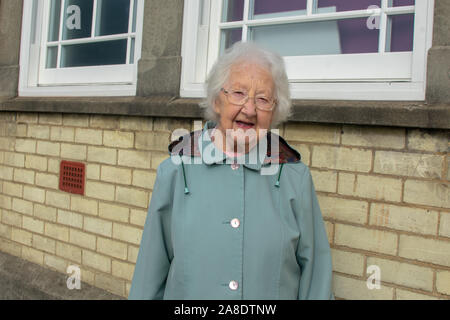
column 242, row 121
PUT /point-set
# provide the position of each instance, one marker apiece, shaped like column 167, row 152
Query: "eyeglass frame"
column 245, row 100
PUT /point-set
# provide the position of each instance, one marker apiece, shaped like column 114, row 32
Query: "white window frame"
column 35, row 80
column 403, row 78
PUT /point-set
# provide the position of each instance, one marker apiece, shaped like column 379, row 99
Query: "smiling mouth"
column 244, row 125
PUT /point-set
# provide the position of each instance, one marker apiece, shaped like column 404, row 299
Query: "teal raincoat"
column 221, row 230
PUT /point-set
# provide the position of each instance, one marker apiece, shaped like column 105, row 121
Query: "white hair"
column 249, row 52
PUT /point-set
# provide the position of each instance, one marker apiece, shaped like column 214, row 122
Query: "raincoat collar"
column 199, row 144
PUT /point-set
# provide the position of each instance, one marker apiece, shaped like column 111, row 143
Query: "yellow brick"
column 403, row 218
column 33, row 225
column 136, row 123
column 428, row 140
column 132, row 197
column 76, row 120
column 350, row 159
column 58, row 199
column 442, row 281
column 38, row 132
column 5, row 231
column 70, row 219
column 66, row 134
column 343, row 209
column 118, row 139
column 171, row 124
column 68, row 251
column 157, row 158
column 157, row 141
column 102, row 155
column 27, row 117
column 96, row 261
column 133, row 253
column 44, row 212
column 7, row 144
column 127, row 233
column 87, row 276
column 373, row 187
column 47, row 180
column 329, row 227
column 99, row 190
column 53, row 165
column 104, row 122
column 21, row 236
column 33, row 194
column 444, row 225
column 12, row 189
column 144, row 179
column 429, row 193
column 50, row 118
column 373, row 137
column 110, row 284
column 353, row 289
column 312, row 133
column 48, row 148
column 408, row 164
column 93, row 171
column 347, row 262
column 138, row 217
column 88, row 136
column 57, row 231
column 98, row 226
column 134, row 159
column 366, row 239
column 112, row 248
column 83, row 239
column 44, row 243
column 14, row 159
column 116, row 175
column 80, row 204
column 22, row 206
column 10, row 247
column 122, row 270
column 113, row 212
column 12, row 218
column 404, row 274
column 127, row 289
column 55, row 263
column 21, row 130
column 5, row 202
column 6, row 173
column 73, row 152
column 304, row 150
column 25, row 145
column 427, row 250
column 409, row 295
column 24, row 176
column 32, row 255
column 325, row 181
column 36, row 162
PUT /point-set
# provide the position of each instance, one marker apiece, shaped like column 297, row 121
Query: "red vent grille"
column 71, row 178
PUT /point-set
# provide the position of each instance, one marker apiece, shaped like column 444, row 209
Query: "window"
column 333, row 49
column 80, row 47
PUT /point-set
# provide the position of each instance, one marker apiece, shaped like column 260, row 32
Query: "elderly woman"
column 232, row 216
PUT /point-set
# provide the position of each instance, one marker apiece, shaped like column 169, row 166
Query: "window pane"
column 229, row 37
column 52, row 57
column 132, row 51
column 54, row 21
column 400, row 3
column 233, row 10
column 112, row 17
column 77, row 19
column 318, row 38
column 270, row 9
column 94, row 54
column 348, row 5
column 133, row 29
column 400, row 33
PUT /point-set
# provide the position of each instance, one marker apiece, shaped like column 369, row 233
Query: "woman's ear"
column 217, row 105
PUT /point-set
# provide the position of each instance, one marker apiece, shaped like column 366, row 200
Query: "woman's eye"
column 262, row 100
column 239, row 94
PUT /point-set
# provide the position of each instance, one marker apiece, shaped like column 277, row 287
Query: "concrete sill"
column 377, row 113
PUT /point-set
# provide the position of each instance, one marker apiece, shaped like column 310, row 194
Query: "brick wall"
column 384, row 194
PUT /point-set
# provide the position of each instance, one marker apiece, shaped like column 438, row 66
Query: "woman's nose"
column 249, row 107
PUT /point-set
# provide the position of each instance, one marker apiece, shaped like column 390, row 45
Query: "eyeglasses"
column 240, row 98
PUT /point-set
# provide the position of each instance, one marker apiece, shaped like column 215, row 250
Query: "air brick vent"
column 71, row 177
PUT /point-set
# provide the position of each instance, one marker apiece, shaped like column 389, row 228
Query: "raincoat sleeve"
column 155, row 253
column 313, row 251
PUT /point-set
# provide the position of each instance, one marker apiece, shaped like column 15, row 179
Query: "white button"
column 235, row 223
column 234, row 166
column 233, row 285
